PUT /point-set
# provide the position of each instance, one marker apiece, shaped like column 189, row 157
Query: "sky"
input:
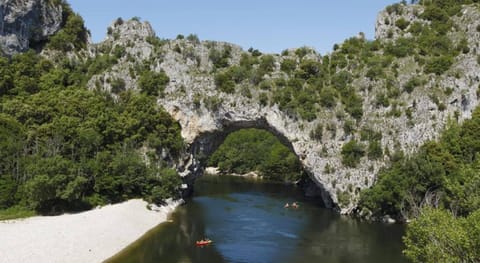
column 268, row 25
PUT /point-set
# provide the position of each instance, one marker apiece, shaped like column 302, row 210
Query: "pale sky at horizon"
column 268, row 25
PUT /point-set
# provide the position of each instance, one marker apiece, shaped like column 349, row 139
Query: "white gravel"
column 90, row 236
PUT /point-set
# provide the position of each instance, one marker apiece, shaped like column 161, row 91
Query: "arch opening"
column 205, row 144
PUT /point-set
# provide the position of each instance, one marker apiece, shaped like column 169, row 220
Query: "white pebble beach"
column 91, row 236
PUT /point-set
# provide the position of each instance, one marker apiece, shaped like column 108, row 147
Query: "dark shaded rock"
column 24, row 23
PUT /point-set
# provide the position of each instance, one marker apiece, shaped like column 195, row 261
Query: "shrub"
column 328, row 97
column 412, row 84
column 309, row 69
column 401, row 48
column 254, row 52
column 402, row 23
column 354, row 105
column 349, row 127
column 224, row 82
column 302, row 52
column 220, row 58
column 375, row 150
column 153, row 83
column 438, row 65
column 263, row 99
column 352, row 151
column 267, row 63
column 193, row 38
column 317, row 132
column 288, row 65
column 396, row 8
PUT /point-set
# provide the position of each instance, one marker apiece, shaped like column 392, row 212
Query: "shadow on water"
column 247, row 222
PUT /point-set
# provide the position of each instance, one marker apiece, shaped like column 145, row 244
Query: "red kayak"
column 203, row 243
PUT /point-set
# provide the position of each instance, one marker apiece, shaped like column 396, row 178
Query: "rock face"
column 207, row 115
column 26, row 21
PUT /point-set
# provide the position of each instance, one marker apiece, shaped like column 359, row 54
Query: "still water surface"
column 247, row 222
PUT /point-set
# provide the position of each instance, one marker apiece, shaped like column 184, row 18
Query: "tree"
column 256, row 150
column 153, row 83
column 437, row 236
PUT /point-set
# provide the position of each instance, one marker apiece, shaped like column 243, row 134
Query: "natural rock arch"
column 205, row 130
column 207, row 143
column 205, row 110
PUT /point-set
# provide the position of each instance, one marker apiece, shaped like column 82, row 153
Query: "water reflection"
column 248, row 223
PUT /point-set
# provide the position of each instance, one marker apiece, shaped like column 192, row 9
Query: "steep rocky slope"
column 207, row 112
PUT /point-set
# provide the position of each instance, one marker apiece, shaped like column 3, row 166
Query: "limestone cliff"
column 25, row 22
column 363, row 89
column 207, row 114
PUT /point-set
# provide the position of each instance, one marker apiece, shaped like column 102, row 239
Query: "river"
column 248, row 223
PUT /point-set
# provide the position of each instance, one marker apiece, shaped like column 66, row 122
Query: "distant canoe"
column 203, row 243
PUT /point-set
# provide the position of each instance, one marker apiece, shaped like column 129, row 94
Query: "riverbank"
column 90, row 236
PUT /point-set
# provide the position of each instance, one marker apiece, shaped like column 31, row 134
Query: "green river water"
column 248, row 223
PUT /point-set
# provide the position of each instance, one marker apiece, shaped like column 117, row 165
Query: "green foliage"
column 165, row 186
column 438, row 65
column 352, row 151
column 447, row 169
column 437, row 236
column 72, row 36
column 349, row 127
column 368, row 134
column 353, row 105
column 153, row 83
column 256, row 150
column 302, row 52
column 224, row 82
column 343, row 197
column 317, row 133
column 402, row 47
column 309, row 69
column 193, row 38
column 267, row 63
column 328, row 97
column 375, row 150
column 396, row 8
column 220, row 58
column 65, row 147
column 288, row 65
column 254, row 52
column 412, row 84
column 15, row 212
column 402, row 23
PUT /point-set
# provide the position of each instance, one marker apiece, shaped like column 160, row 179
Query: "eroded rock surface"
column 207, row 115
column 28, row 21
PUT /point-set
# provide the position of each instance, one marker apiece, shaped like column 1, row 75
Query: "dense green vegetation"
column 256, row 150
column 444, row 173
column 437, row 236
column 352, row 151
column 65, row 147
